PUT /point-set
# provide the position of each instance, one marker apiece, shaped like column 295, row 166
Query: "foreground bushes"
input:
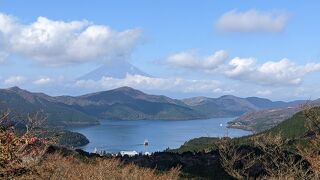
column 18, row 150
column 270, row 156
column 57, row 167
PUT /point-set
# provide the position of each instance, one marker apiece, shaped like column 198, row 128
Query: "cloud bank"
column 153, row 83
column 252, row 21
column 14, row 80
column 190, row 60
column 43, row 81
column 281, row 73
column 3, row 57
column 58, row 42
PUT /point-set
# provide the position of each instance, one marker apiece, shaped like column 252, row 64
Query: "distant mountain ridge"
column 126, row 103
column 261, row 120
column 229, row 105
column 130, row 104
column 121, row 103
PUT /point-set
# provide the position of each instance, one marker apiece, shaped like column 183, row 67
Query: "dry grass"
column 312, row 155
column 56, row 167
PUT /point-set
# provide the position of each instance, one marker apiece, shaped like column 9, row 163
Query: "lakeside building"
column 129, row 153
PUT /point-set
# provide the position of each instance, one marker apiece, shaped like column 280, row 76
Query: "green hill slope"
column 22, row 103
column 126, row 103
column 293, row 127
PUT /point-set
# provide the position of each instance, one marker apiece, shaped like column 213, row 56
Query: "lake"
column 117, row 135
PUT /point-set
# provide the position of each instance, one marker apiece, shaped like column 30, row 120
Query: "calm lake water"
column 117, row 135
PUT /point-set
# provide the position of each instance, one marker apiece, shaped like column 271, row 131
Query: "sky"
column 190, row 48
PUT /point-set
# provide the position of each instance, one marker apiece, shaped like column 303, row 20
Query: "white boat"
column 146, row 142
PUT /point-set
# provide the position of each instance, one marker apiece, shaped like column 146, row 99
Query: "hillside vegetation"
column 264, row 119
column 22, row 103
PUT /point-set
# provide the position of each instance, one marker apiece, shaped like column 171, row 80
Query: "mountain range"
column 231, row 106
column 22, row 103
column 126, row 103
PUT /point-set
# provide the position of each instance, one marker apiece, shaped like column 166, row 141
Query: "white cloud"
column 283, row 72
column 189, row 59
column 43, row 81
column 152, row 83
column 3, row 57
column 7, row 23
column 264, row 92
column 252, row 21
column 57, row 42
column 14, row 80
column 240, row 66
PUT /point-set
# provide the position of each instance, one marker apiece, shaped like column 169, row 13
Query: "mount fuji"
column 116, row 69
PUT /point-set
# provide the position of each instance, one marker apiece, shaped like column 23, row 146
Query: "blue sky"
column 172, row 40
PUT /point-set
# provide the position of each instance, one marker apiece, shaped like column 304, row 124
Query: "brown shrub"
column 18, row 150
column 279, row 162
column 312, row 152
column 56, row 167
column 234, row 162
